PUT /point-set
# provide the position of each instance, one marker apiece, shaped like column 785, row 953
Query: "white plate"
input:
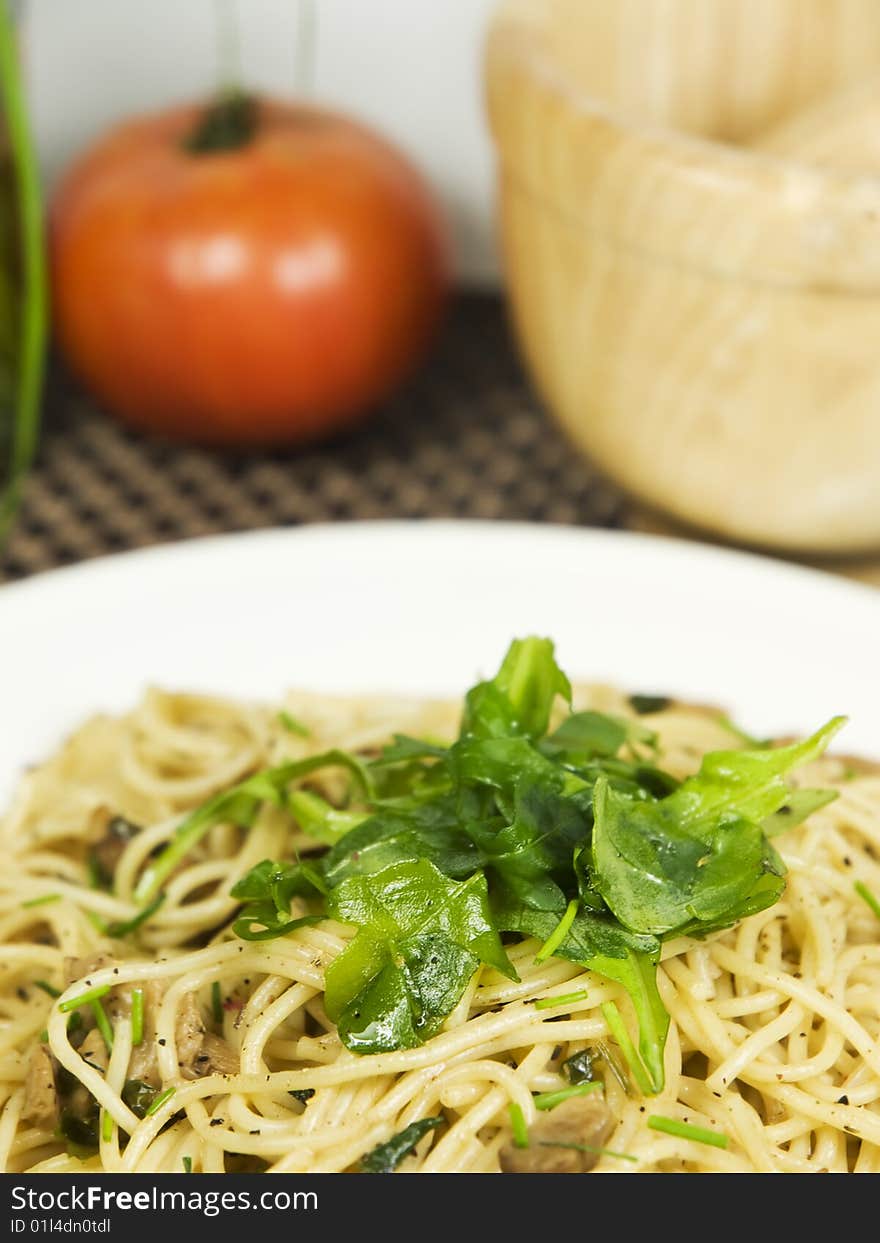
column 426, row 607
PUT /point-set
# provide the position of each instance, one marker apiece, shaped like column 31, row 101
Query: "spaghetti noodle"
column 773, row 1039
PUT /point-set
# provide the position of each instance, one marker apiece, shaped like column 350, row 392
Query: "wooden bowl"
column 702, row 316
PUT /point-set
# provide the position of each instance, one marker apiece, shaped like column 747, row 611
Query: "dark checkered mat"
column 466, row 439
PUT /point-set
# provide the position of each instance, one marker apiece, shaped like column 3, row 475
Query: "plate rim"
column 108, row 564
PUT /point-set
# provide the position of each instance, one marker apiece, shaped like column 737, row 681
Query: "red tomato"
column 264, row 294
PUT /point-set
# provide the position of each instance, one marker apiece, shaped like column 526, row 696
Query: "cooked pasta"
column 774, row 1022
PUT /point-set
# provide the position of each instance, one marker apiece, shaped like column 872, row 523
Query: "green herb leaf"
column 699, row 858
column 138, row 1096
column 581, row 1067
column 432, row 831
column 797, row 807
column 596, row 734
column 532, row 856
column 240, row 806
column 262, row 922
column 421, row 938
column 385, row 1158
column 268, row 889
column 320, row 819
column 520, row 698
column 405, row 749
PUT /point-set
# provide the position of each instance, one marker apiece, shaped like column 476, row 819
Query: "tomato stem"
column 225, row 125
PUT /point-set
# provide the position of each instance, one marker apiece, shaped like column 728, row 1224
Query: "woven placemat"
column 466, row 439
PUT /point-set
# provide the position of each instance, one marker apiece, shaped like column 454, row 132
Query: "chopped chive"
column 46, row 898
column 216, row 1003
column 103, row 1024
column 124, row 928
column 159, row 1101
column 292, row 725
column 549, row 1100
column 107, row 1127
column 187, row 1165
column 627, row 1048
column 518, row 1126
column 47, row 988
column 561, row 999
column 684, row 1130
column 602, row 1152
column 137, row 1016
column 96, row 921
column 44, row 1036
column 81, row 999
column 557, row 936
column 865, row 893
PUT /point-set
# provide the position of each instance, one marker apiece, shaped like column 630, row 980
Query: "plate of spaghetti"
column 424, row 848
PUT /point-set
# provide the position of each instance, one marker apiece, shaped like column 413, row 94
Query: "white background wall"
column 411, row 67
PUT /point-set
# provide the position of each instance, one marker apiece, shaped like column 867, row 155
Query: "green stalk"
column 33, row 316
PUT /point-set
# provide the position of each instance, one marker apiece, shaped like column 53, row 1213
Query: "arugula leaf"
column 267, row 889
column 532, row 855
column 320, row 819
column 264, row 922
column 573, row 838
column 519, row 700
column 500, row 763
column 798, row 805
column 240, row 805
column 747, row 783
column 698, row 856
column 638, row 975
column 421, row 937
column 431, row 831
column 598, row 734
column 385, row 1158
column 404, row 749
